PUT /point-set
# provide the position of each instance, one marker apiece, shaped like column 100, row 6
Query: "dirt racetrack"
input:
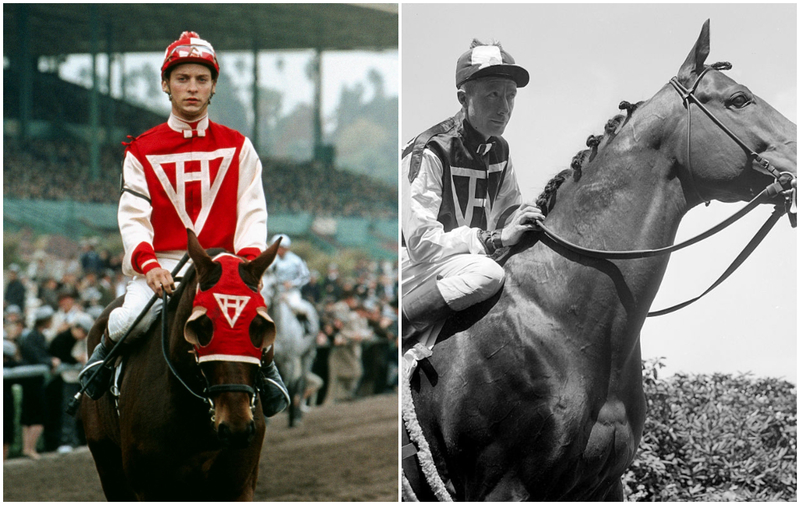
column 342, row 452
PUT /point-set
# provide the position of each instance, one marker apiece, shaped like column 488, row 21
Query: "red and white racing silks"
column 200, row 175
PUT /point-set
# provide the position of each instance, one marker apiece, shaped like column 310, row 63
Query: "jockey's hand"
column 158, row 277
column 525, row 219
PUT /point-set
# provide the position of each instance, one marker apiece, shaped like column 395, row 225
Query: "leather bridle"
column 688, row 97
column 784, row 185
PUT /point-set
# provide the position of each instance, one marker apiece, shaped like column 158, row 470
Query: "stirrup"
column 274, row 395
column 96, row 388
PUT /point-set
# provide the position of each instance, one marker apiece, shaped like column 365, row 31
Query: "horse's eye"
column 739, row 100
column 199, row 331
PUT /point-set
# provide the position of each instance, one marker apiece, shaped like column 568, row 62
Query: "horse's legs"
column 108, row 460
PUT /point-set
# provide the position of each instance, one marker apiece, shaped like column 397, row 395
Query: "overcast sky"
column 586, row 58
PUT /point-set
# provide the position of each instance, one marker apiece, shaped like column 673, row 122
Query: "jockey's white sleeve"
column 251, row 206
column 425, row 238
column 133, row 214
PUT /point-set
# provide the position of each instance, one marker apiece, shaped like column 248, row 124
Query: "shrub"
column 715, row 437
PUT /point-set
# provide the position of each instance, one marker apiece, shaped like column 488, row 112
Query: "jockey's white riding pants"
column 295, row 300
column 137, row 294
column 462, row 279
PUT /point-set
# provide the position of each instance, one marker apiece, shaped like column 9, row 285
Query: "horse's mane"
column 581, row 161
column 596, row 143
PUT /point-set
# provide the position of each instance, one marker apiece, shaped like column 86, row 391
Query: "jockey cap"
column 489, row 61
column 190, row 48
column 285, row 240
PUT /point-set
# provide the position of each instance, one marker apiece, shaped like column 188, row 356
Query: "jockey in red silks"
column 186, row 173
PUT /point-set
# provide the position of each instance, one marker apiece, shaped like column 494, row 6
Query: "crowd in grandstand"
column 58, row 169
column 50, row 303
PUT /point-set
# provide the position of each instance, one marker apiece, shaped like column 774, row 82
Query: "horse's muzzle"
column 238, row 438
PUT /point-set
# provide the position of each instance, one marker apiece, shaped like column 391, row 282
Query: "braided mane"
column 547, row 199
column 596, row 143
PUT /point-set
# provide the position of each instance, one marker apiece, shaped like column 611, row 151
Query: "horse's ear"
column 200, row 258
column 696, row 60
column 258, row 266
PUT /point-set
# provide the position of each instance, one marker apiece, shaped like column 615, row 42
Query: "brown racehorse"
column 537, row 393
column 162, row 443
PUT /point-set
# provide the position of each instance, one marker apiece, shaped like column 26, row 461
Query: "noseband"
column 208, row 390
column 688, row 97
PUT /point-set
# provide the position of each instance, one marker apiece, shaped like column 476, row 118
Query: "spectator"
column 312, row 291
column 331, row 286
column 33, row 350
column 48, row 292
column 69, row 347
column 91, row 262
column 68, row 310
column 39, row 269
column 10, row 360
column 12, row 314
column 344, row 360
column 15, row 289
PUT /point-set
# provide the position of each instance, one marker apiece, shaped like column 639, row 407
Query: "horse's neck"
column 176, row 315
column 629, row 197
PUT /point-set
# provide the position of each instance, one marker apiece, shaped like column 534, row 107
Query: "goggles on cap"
column 190, row 49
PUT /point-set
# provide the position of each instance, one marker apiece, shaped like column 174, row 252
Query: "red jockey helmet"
column 190, row 48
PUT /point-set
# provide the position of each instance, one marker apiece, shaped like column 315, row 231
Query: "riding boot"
column 274, row 395
column 96, row 388
column 424, row 309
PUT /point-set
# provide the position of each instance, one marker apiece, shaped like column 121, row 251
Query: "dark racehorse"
column 537, row 393
column 162, row 442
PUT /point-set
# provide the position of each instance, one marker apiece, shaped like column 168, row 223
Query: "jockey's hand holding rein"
column 526, row 218
column 158, row 277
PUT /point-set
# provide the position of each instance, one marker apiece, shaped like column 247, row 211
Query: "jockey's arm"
column 425, row 238
column 158, row 278
column 251, row 208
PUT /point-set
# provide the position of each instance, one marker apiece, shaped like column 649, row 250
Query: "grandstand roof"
column 66, row 28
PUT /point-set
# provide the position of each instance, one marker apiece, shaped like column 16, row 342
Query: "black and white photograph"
column 556, row 344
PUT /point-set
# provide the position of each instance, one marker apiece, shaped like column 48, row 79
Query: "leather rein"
column 208, row 390
column 785, row 184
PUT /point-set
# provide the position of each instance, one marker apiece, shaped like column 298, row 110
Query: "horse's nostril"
column 224, row 432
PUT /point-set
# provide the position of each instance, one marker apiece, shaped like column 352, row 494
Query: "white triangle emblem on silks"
column 228, row 302
column 208, row 188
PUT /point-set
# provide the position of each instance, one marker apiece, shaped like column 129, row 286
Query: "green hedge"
column 716, row 438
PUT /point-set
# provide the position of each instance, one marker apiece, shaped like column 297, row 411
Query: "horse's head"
column 716, row 164
column 230, row 329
